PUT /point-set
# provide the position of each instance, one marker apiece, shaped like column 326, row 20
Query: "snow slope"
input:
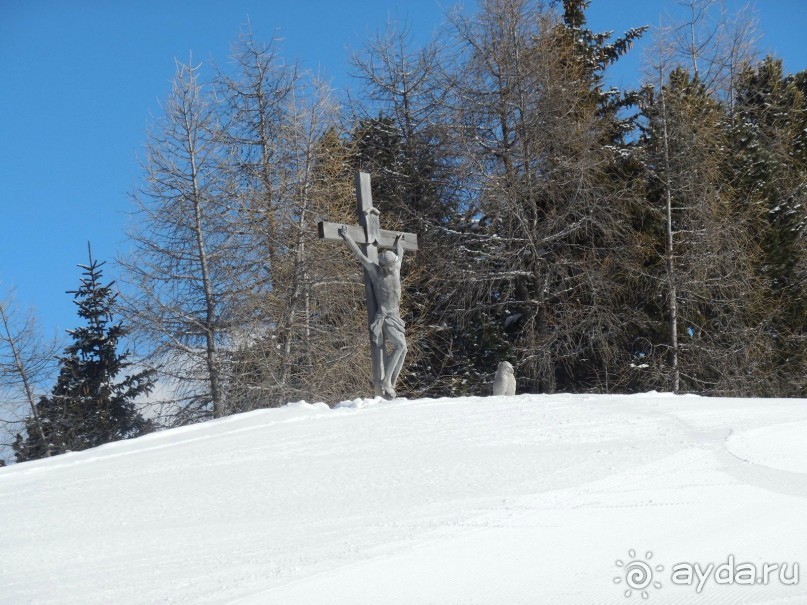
column 528, row 499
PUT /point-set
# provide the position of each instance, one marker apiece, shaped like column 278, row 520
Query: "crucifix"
column 382, row 283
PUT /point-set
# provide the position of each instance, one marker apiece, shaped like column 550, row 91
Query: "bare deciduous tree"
column 182, row 269
column 26, row 361
column 552, row 254
column 297, row 320
column 713, row 44
column 716, row 328
column 716, row 331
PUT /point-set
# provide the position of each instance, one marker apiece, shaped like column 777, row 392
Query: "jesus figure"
column 387, row 325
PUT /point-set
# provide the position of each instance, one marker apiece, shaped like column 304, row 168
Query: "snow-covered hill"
column 531, row 499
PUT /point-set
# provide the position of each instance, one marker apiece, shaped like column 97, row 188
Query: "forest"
column 602, row 240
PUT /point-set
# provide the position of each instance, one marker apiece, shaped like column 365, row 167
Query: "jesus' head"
column 387, row 259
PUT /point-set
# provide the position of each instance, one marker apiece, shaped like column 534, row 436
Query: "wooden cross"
column 369, row 235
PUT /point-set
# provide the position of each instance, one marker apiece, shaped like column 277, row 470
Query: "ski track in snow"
column 499, row 500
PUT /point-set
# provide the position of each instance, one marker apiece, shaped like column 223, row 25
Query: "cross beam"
column 384, row 239
column 369, row 235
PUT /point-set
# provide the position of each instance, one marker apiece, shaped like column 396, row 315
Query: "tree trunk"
column 669, row 252
column 210, row 309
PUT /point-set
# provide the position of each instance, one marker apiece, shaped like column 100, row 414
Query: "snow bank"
column 528, row 499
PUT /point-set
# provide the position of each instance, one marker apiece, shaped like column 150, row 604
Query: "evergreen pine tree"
column 89, row 406
column 770, row 164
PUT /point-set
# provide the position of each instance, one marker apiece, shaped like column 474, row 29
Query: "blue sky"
column 80, row 81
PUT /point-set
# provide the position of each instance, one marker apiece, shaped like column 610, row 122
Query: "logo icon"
column 637, row 573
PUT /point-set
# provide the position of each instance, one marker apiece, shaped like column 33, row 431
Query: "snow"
column 781, row 446
column 528, row 499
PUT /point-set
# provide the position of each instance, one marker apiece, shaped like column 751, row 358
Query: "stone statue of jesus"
column 387, row 325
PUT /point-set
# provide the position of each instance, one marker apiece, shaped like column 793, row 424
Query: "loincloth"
column 393, row 322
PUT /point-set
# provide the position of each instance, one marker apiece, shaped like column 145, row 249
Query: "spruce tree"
column 89, row 405
column 770, row 166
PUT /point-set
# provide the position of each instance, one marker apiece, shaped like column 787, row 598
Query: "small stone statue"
column 504, row 383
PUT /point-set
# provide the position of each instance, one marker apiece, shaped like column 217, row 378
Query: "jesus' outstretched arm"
column 366, row 262
column 399, row 248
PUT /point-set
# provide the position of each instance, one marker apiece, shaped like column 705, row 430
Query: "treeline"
column 601, row 240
